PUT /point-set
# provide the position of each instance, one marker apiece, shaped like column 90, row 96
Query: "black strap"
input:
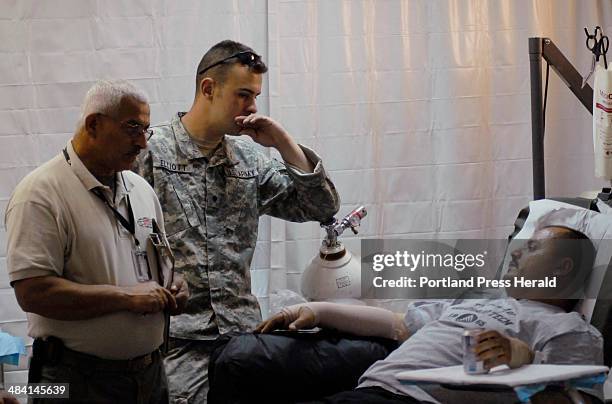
column 128, row 225
column 66, row 156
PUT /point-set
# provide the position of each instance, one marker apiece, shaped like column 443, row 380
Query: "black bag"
column 289, row 366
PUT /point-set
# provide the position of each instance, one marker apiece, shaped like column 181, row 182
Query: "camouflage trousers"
column 186, row 366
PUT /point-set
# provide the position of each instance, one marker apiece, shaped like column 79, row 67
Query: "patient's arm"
column 359, row 320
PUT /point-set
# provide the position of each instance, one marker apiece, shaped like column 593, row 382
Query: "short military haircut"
column 579, row 248
column 105, row 97
column 220, row 51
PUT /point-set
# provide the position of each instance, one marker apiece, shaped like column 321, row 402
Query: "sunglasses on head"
column 247, row 58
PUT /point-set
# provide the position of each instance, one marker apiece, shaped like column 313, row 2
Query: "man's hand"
column 269, row 133
column 264, row 130
column 6, row 398
column 149, row 297
column 180, row 291
column 494, row 348
column 293, row 318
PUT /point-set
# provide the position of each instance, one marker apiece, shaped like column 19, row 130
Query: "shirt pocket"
column 177, row 204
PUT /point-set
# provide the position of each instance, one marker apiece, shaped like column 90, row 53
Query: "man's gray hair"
column 105, row 97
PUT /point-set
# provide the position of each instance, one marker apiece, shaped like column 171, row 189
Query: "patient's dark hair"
column 581, row 251
column 219, row 52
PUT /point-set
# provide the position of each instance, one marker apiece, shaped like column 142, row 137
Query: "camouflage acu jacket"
column 211, row 211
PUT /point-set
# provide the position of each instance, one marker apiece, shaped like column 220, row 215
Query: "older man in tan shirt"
column 77, row 233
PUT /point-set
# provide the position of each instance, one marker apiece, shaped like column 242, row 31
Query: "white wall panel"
column 465, row 181
column 11, row 148
column 339, row 153
column 3, row 244
column 405, row 149
column 409, row 51
column 14, row 68
column 9, row 311
column 127, row 63
column 392, row 85
column 10, row 177
column 504, row 208
column 69, row 35
column 506, row 80
column 356, row 187
column 178, row 62
column 11, row 9
column 14, row 122
column 414, row 217
column 12, row 33
column 51, row 144
column 461, row 145
column 131, row 32
column 454, row 212
column 512, row 178
column 59, row 67
column 403, row 116
column 344, row 120
column 4, row 280
column 36, row 10
column 54, row 120
column 133, row 8
column 60, row 95
column 407, row 184
column 16, row 97
column 509, row 109
column 511, row 141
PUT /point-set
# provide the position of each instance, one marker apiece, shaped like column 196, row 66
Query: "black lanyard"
column 128, row 225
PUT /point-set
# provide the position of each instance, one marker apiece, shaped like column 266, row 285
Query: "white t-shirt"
column 58, row 227
column 436, row 329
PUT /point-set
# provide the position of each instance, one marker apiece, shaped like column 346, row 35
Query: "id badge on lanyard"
column 139, row 257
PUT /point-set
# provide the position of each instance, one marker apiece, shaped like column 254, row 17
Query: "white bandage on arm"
column 358, row 320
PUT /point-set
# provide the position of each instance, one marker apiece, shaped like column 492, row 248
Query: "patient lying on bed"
column 527, row 325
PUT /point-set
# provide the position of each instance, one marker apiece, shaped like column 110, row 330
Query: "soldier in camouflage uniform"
column 213, row 187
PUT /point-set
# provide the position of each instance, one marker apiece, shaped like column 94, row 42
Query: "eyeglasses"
column 247, row 58
column 135, row 129
column 132, row 128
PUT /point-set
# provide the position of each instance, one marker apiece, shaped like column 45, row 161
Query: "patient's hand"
column 293, row 318
column 495, row 348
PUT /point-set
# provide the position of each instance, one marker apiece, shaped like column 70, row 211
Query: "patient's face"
column 540, row 257
column 535, row 257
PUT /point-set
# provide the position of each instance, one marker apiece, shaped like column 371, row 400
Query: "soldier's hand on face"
column 293, row 318
column 495, row 348
column 149, row 297
column 262, row 129
column 180, row 291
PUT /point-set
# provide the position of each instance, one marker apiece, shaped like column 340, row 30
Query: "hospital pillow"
column 595, row 225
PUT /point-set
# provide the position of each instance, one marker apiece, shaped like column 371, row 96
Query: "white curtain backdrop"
column 420, row 108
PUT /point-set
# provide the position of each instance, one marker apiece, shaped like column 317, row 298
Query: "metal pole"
column 537, row 129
